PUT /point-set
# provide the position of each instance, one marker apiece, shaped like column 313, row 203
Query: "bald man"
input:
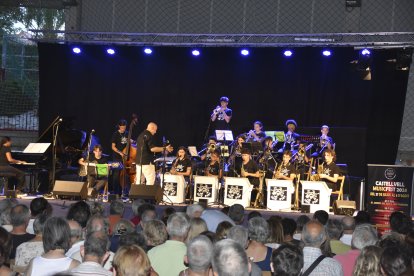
column 145, row 155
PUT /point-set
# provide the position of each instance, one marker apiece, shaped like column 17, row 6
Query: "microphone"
column 92, row 131
column 59, row 121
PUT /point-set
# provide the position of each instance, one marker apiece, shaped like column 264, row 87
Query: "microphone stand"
column 164, row 168
column 54, row 134
column 140, row 160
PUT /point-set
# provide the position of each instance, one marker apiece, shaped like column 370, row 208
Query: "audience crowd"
column 88, row 241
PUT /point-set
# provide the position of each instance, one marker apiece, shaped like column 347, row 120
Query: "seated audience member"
column 396, row 260
column 287, row 260
column 253, row 214
column 116, row 211
column 167, row 258
column 222, row 229
column 76, row 237
column 213, row 218
column 121, row 228
column 300, row 222
column 194, row 211
column 289, row 228
column 133, row 239
column 229, row 258
column 364, row 235
column 236, row 213
column 96, row 208
column 80, row 212
column 33, row 248
column 362, row 217
column 368, row 262
column 56, row 241
column 132, row 261
column 400, row 224
column 146, row 215
column 334, row 230
column 198, row 257
column 135, row 205
column 210, row 235
column 5, row 207
column 313, row 236
column 38, row 206
column 167, row 213
column 276, row 236
column 19, row 218
column 155, row 233
column 258, row 234
column 94, row 252
column 321, row 216
column 197, row 226
column 348, row 224
column 5, row 248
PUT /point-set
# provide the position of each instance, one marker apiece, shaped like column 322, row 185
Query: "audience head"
column 194, row 211
column 396, row 260
column 39, row 206
column 80, row 212
column 229, row 258
column 301, row 221
column 56, row 234
column 155, row 232
column 75, row 231
column 362, row 217
column 96, row 208
column 225, row 210
column 123, row 226
column 276, row 234
column 239, row 234
column 287, row 260
column 222, row 229
column 6, row 244
column 368, row 261
column 313, row 234
column 97, row 223
column 334, row 229
column 19, row 215
column 348, row 224
column 322, row 216
column 133, row 239
column 177, row 226
column 116, row 208
column 236, row 213
column 197, row 226
column 148, row 215
column 135, row 206
column 131, row 261
column 199, row 254
column 258, row 229
column 364, row 235
column 167, row 213
column 96, row 246
column 289, row 227
column 400, row 223
column 210, row 235
column 39, row 223
column 253, row 214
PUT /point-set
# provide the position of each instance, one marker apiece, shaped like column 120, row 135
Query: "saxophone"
column 242, row 171
column 277, row 170
column 259, row 196
column 315, row 177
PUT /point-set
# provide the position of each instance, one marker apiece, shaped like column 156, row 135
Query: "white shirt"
column 90, row 268
column 75, row 248
column 346, row 239
column 213, row 218
column 45, row 267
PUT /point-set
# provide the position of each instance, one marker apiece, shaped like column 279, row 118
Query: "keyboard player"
column 6, row 159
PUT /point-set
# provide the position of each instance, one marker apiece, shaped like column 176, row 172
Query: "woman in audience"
column 368, row 261
column 222, row 229
column 5, row 248
column 132, row 261
column 122, row 227
column 56, row 241
column 155, row 233
column 276, row 235
column 197, row 226
column 396, row 260
column 300, row 222
column 33, row 248
column 259, row 234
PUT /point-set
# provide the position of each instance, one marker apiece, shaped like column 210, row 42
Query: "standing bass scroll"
column 130, row 153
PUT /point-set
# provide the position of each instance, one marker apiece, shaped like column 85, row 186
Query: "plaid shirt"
column 328, row 266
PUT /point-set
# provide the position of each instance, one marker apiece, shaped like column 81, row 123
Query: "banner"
column 388, row 189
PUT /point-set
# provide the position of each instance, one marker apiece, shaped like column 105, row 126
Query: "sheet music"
column 224, row 135
column 193, row 151
column 36, row 148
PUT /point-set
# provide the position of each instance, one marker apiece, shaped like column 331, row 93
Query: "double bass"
column 130, row 153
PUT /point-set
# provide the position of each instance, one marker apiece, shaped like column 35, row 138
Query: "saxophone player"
column 181, row 164
column 251, row 171
column 286, row 170
column 330, row 171
column 213, row 167
column 234, row 161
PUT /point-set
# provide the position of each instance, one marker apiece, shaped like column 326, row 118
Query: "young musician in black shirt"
column 119, row 141
column 325, row 142
column 330, row 171
column 6, row 159
column 221, row 116
column 291, row 137
column 182, row 164
column 256, row 134
column 286, row 170
column 213, row 167
column 251, row 171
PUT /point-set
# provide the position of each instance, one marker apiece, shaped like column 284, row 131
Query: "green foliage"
column 8, row 17
column 11, row 93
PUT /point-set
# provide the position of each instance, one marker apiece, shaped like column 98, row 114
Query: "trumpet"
column 217, row 110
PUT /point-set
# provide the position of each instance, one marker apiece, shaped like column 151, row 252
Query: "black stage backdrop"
column 178, row 91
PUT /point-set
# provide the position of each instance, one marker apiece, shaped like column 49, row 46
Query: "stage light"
column 110, row 51
column 195, row 53
column 148, row 51
column 362, row 65
column 365, row 52
column 288, row 53
column 326, row 53
column 244, row 52
column 76, row 50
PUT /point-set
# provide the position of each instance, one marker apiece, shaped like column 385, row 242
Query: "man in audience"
column 116, row 211
column 364, row 235
column 334, row 230
column 76, row 239
column 94, row 254
column 236, row 213
column 348, row 224
column 146, row 216
column 198, row 257
column 396, row 260
column 287, row 259
column 38, row 206
column 80, row 212
column 313, row 236
column 194, row 211
column 321, row 216
column 229, row 258
column 213, row 218
column 289, row 228
column 19, row 218
column 167, row 258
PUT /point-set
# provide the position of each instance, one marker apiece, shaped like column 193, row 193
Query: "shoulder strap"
column 313, row 265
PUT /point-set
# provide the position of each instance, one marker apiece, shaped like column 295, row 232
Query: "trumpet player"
column 285, row 170
column 325, row 142
column 330, row 171
column 213, row 167
column 181, row 164
column 256, row 134
column 211, row 146
column 291, row 137
column 221, row 115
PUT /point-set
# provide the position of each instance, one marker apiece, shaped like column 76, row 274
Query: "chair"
column 4, row 178
column 340, row 192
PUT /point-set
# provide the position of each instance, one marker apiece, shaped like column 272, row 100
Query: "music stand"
column 193, row 151
column 224, row 135
column 254, row 147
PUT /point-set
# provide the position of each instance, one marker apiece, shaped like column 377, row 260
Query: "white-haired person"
column 198, row 257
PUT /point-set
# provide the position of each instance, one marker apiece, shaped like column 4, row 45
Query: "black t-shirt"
column 330, row 170
column 251, row 167
column 288, row 169
column 3, row 157
column 144, row 145
column 182, row 165
column 93, row 159
column 220, row 123
column 214, row 168
column 260, row 136
column 18, row 240
column 120, row 140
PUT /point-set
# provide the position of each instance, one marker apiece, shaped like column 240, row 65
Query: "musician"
column 250, row 168
column 96, row 182
column 6, row 159
column 267, row 161
column 145, row 154
column 212, row 143
column 213, row 167
column 330, row 171
column 301, row 158
column 286, row 170
column 290, row 136
column 256, row 134
column 182, row 163
column 234, row 161
column 119, row 141
column 221, row 115
column 325, row 142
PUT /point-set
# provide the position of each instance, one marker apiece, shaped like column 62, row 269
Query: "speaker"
column 344, row 207
column 71, row 188
column 152, row 192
